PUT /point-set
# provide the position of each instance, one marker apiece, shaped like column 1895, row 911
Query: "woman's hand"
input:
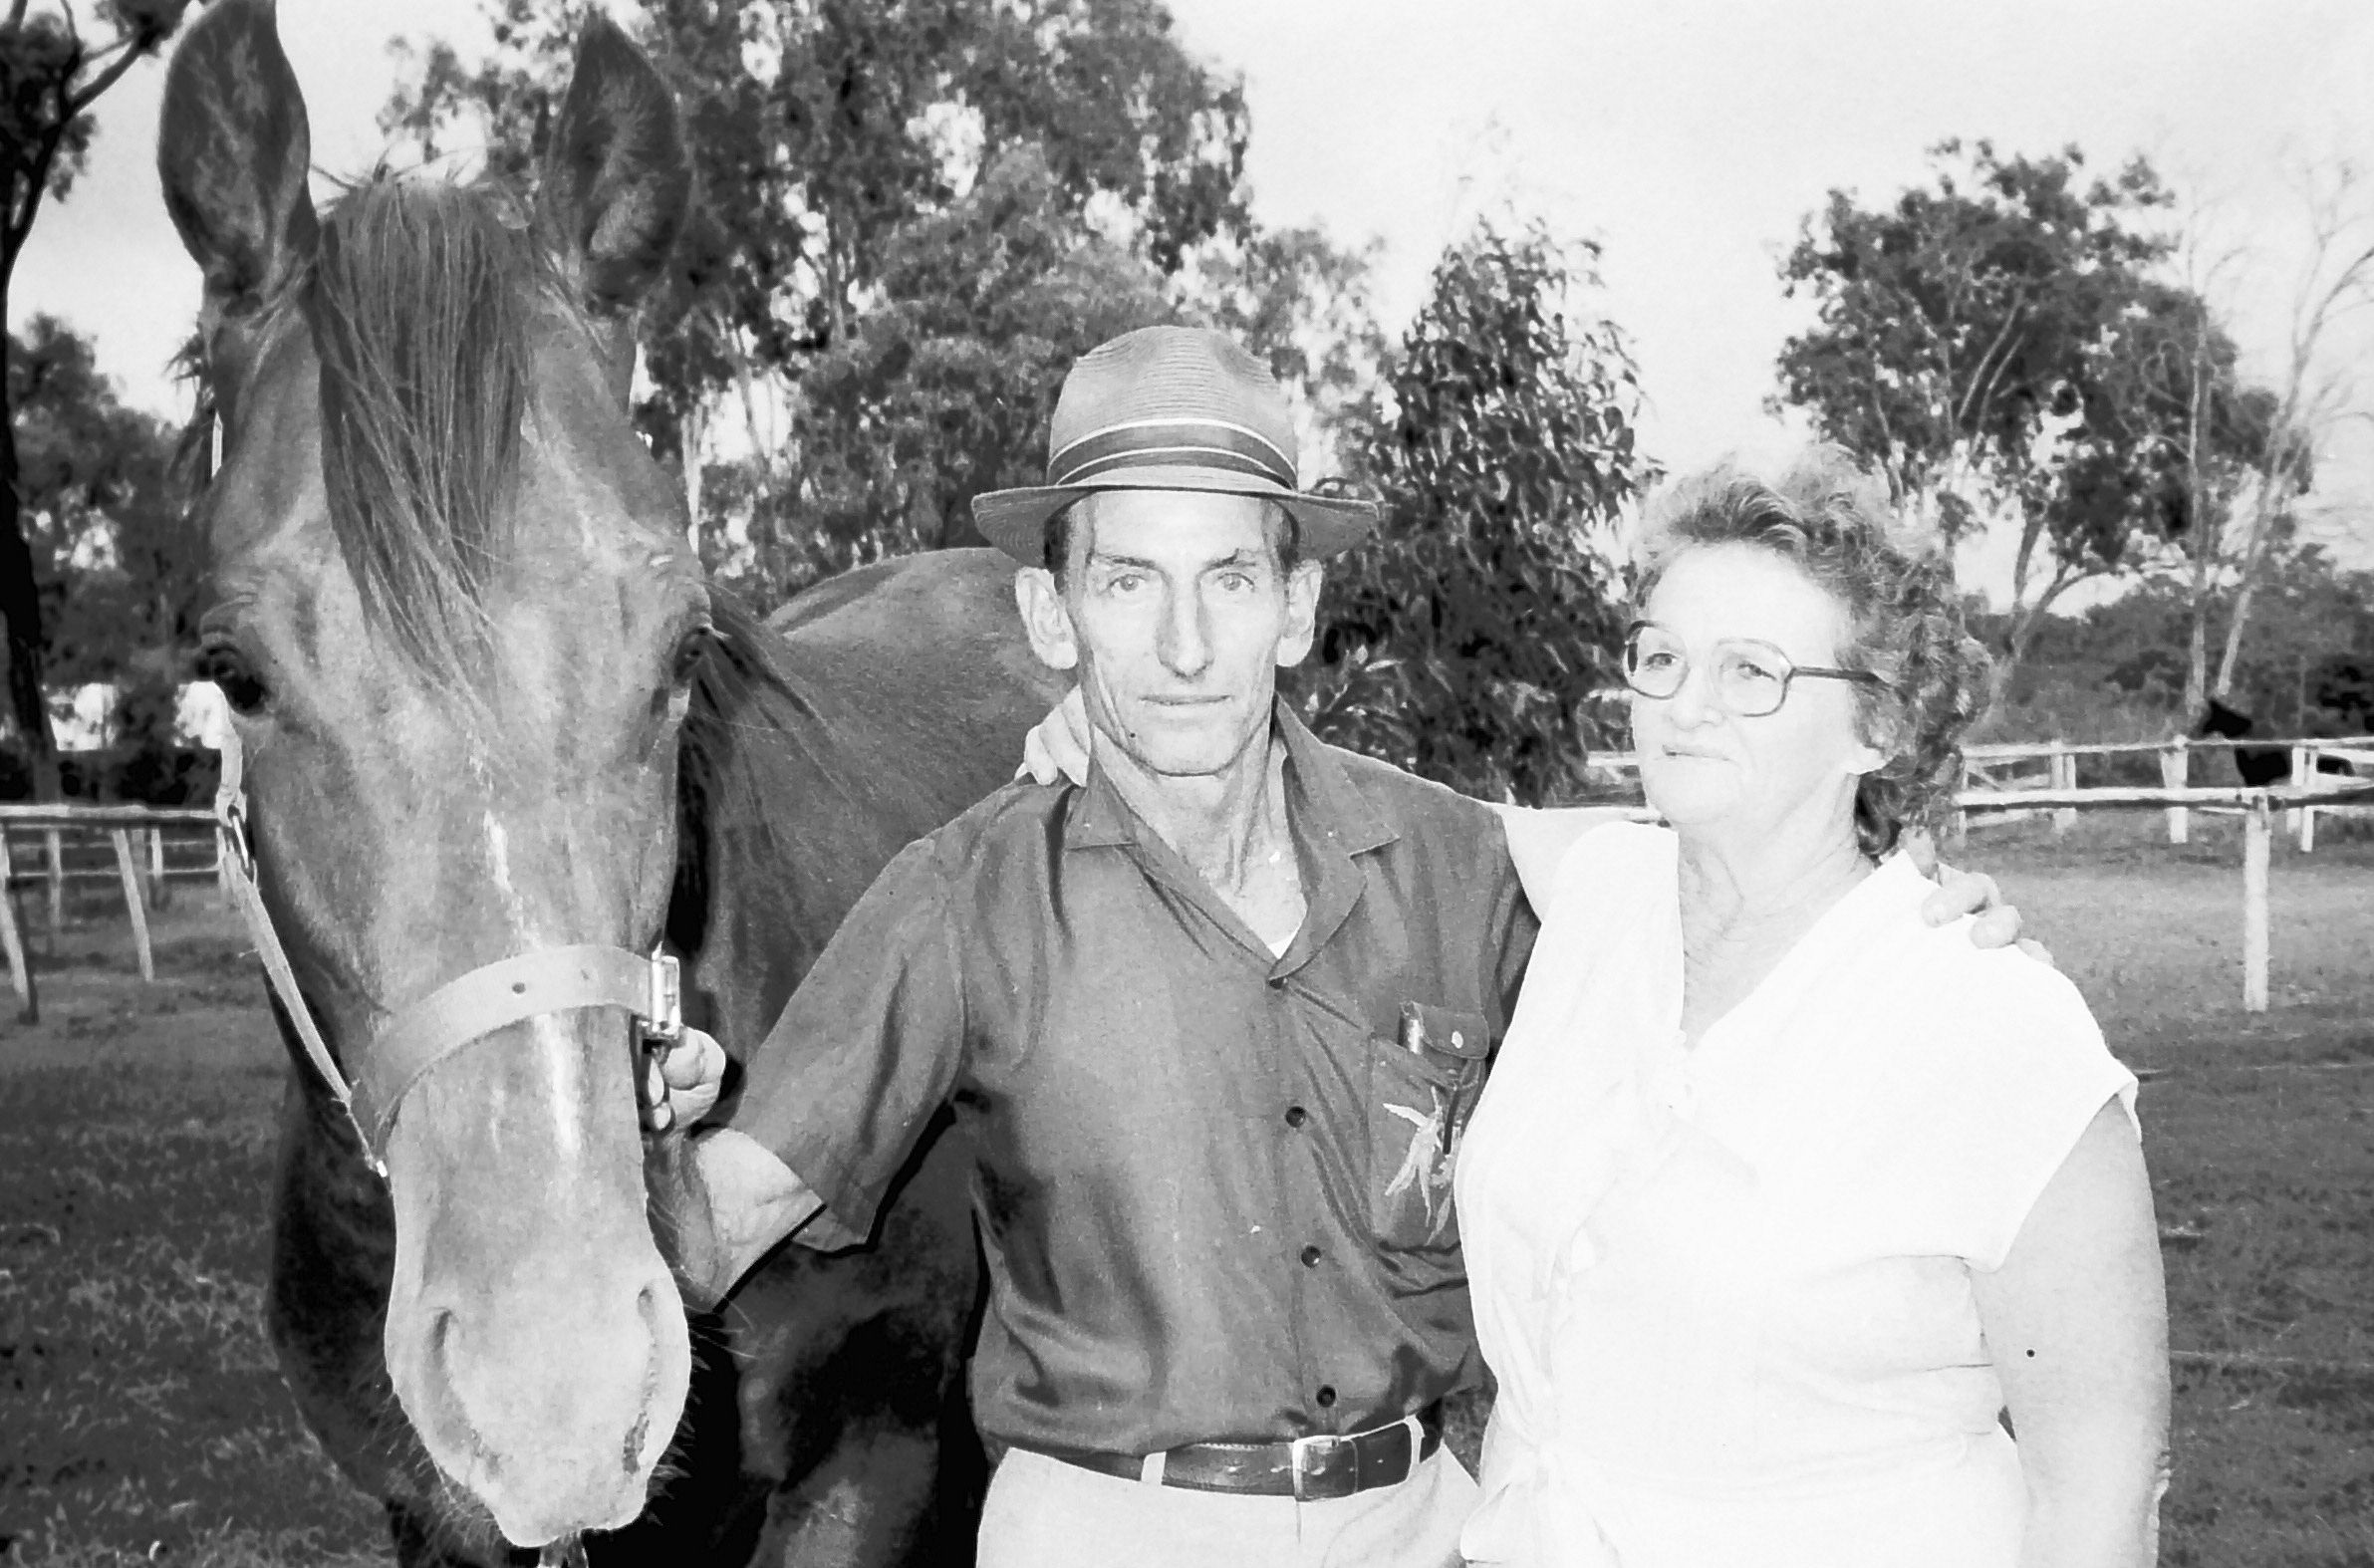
column 1057, row 746
column 681, row 1083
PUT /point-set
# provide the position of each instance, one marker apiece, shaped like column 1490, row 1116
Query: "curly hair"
column 1903, row 614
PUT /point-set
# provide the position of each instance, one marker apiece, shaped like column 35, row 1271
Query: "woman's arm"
column 2076, row 1323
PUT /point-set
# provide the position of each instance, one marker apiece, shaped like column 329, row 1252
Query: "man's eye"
column 1124, row 583
column 1237, row 581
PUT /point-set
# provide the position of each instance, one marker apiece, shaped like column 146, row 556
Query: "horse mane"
column 420, row 302
column 739, row 690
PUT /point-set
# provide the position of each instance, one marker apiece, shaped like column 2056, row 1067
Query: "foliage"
column 943, row 387
column 49, row 77
column 2127, row 657
column 1974, row 339
column 112, row 565
column 1467, row 642
column 823, row 131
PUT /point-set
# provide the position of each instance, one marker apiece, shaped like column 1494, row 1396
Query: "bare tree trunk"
column 692, row 428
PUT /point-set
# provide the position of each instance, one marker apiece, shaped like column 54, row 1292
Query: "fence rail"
column 131, row 845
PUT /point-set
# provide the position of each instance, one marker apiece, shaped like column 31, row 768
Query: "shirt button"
column 1326, row 1396
column 1311, row 1256
column 1296, row 1116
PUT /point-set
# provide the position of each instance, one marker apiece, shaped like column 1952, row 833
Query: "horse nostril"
column 647, row 1304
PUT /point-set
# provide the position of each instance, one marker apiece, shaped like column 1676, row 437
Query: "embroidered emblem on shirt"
column 1428, row 1166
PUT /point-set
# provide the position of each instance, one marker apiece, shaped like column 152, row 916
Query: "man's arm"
column 727, row 1202
column 865, row 1051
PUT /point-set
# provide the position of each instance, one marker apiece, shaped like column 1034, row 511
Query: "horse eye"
column 229, row 670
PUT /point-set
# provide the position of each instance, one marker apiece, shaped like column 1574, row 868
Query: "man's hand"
column 680, row 1084
column 1961, row 893
column 1057, row 747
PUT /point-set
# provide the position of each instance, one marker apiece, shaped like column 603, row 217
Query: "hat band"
column 1198, row 443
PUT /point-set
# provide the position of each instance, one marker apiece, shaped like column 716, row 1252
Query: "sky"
column 1688, row 137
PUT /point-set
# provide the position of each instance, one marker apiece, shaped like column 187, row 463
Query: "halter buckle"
column 663, row 1019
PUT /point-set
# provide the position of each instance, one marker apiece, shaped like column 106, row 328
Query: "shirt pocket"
column 1423, row 1087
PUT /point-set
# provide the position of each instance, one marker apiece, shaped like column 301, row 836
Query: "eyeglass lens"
column 1750, row 678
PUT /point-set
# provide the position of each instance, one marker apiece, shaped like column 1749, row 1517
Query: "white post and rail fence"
column 140, row 848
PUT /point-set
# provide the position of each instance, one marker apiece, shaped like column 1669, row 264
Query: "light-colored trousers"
column 1044, row 1513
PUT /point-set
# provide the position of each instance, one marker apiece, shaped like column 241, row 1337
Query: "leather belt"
column 1325, row 1465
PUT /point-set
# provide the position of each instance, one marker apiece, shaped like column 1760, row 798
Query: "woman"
column 1775, row 1202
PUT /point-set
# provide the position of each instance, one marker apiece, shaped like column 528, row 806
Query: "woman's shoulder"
column 1615, row 860
column 1990, row 1014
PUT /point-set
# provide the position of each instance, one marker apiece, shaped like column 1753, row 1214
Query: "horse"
column 489, row 709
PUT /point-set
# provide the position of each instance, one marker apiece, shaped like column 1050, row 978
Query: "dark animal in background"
column 489, row 706
column 2258, row 766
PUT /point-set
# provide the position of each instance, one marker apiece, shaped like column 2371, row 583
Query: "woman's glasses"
column 1751, row 678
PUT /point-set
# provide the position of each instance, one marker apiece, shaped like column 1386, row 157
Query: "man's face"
column 1176, row 617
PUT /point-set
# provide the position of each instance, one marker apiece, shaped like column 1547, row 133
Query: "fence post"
column 2064, row 776
column 20, row 974
column 2258, row 828
column 55, row 841
column 2303, row 770
column 122, row 839
column 161, row 892
column 2174, row 766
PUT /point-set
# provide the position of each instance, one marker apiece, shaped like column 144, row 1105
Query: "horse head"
column 453, row 609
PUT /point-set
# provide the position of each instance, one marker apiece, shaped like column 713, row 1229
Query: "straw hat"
column 1168, row 408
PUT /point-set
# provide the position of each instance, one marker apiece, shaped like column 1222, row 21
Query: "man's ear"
column 1046, row 618
column 1302, row 612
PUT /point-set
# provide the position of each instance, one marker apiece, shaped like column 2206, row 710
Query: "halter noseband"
column 494, row 996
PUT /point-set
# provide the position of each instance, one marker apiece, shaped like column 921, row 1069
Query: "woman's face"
column 1706, row 768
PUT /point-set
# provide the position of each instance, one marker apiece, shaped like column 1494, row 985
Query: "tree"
column 1468, row 640
column 49, row 77
column 1968, row 342
column 2312, row 393
column 943, row 387
column 824, row 129
column 109, row 556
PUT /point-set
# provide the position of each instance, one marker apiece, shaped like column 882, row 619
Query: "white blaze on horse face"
column 561, row 1055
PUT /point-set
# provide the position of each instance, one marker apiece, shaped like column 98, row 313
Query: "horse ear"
column 234, row 150
column 616, row 177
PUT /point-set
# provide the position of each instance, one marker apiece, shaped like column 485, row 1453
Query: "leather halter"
column 494, row 996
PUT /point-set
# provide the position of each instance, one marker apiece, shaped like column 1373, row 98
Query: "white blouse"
column 1726, row 1289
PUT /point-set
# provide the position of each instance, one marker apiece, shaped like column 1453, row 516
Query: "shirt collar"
column 1322, row 802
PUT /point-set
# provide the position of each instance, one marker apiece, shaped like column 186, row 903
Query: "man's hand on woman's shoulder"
column 1973, row 892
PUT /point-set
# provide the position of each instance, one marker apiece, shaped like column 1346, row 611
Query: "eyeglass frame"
column 1819, row 672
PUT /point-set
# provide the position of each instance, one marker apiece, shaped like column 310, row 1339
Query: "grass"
column 144, row 1421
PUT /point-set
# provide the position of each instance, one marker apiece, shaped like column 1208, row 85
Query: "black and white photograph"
column 1186, row 784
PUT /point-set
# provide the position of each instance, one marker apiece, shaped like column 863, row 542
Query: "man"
column 1216, row 1018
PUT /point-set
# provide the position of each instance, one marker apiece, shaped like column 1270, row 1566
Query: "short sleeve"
column 866, row 1050
column 2017, row 1072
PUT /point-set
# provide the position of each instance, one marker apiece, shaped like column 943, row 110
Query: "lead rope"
column 238, row 862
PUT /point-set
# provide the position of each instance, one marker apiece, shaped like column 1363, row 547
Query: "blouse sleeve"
column 2020, row 1072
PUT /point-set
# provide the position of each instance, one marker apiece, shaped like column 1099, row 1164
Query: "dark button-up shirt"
column 1213, row 1183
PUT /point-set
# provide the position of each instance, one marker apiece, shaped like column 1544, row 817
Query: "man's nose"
column 1185, row 642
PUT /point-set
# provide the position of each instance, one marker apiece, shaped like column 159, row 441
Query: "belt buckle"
column 1317, row 1455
